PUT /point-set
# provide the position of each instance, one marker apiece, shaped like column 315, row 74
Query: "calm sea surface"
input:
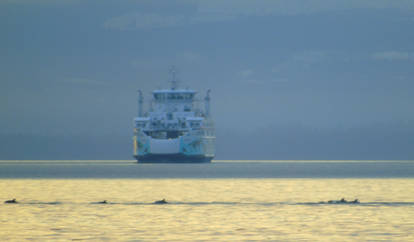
column 236, row 201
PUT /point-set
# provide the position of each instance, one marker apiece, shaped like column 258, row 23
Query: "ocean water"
column 225, row 201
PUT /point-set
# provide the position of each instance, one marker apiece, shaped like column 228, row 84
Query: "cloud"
column 184, row 58
column 206, row 17
column 144, row 21
column 133, row 21
column 294, row 7
column 39, row 2
column 188, row 56
column 305, row 59
column 227, row 10
column 246, row 73
column 265, row 82
column 84, row 81
column 249, row 77
column 311, row 56
column 393, row 56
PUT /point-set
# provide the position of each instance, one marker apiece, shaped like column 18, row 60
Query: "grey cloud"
column 294, row 7
column 250, row 77
column 393, row 56
column 181, row 58
column 228, row 10
column 39, row 2
column 133, row 21
column 246, row 73
column 205, row 17
column 189, row 56
column 310, row 56
column 316, row 56
column 266, row 82
column 83, row 81
column 306, row 58
column 144, row 21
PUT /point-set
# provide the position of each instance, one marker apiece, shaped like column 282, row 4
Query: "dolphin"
column 163, row 201
column 11, row 201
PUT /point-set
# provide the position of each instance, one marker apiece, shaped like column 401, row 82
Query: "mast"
column 207, row 103
column 140, row 103
column 174, row 81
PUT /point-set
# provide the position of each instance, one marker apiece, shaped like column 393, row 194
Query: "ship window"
column 140, row 124
column 159, row 96
column 172, row 96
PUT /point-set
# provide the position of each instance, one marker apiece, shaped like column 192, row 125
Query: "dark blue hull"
column 173, row 158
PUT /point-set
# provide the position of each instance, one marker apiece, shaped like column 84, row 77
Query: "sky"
column 290, row 79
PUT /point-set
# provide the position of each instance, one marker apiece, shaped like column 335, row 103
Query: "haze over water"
column 219, row 201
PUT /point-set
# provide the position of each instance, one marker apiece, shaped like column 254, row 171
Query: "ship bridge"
column 173, row 100
column 172, row 95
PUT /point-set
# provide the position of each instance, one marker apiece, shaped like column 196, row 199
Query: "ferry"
column 173, row 128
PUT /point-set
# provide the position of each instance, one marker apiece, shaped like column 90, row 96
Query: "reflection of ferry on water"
column 174, row 129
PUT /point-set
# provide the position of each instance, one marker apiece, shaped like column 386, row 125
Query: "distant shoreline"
column 127, row 169
column 214, row 161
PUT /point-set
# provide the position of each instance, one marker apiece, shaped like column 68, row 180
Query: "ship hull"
column 172, row 158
